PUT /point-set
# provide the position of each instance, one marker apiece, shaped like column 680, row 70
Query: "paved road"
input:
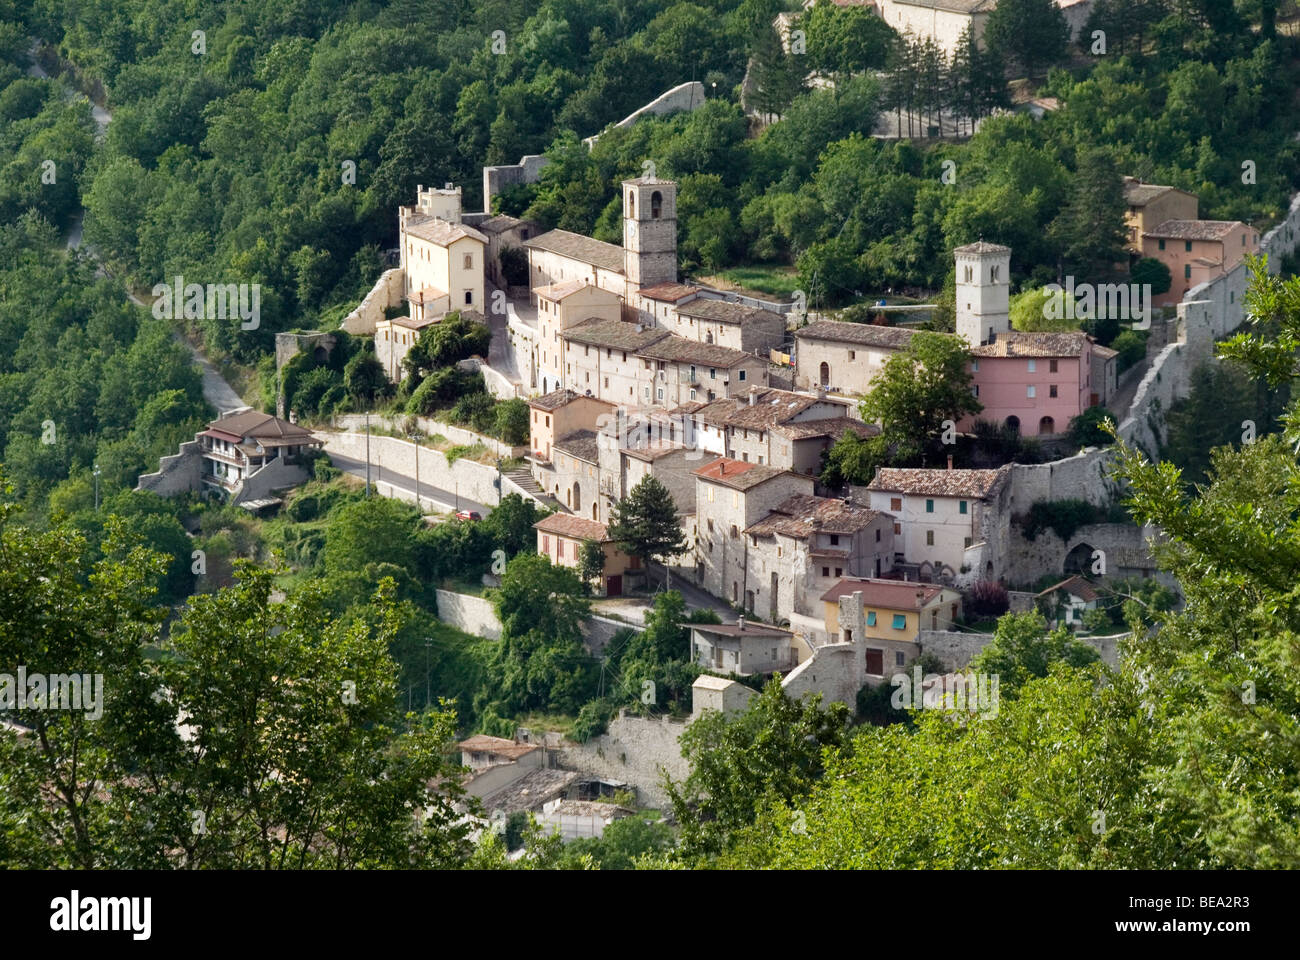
column 444, row 501
column 635, row 608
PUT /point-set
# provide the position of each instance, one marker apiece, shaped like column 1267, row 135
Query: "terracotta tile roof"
column 1077, row 586
column 833, row 427
column 1104, row 352
column 1017, row 344
column 501, row 223
column 802, row 515
column 567, row 525
column 770, row 407
column 980, row 246
column 530, row 791
column 497, row 746
column 737, row 474
column 426, row 295
column 260, row 426
column 439, row 231
column 580, row 444
column 892, row 594
column 575, row 246
column 554, row 400
column 866, row 334
column 615, row 334
column 1139, row 194
column 669, row 292
column 1194, row 229
column 972, row 484
column 558, row 291
column 675, row 349
column 724, row 311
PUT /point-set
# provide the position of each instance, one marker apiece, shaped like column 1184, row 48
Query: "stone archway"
column 1079, row 559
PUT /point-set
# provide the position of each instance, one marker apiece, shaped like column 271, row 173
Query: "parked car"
column 468, row 515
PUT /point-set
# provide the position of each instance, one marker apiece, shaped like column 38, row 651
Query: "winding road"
column 216, row 391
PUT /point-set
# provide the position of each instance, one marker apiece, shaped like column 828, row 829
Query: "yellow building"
column 890, row 609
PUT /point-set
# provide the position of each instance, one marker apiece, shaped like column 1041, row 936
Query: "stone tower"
column 649, row 232
column 983, row 291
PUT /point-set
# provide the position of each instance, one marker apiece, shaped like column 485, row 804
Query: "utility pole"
column 97, row 488
column 427, row 645
column 498, row 481
column 367, row 454
column 416, row 438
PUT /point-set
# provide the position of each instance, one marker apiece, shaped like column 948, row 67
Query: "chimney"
column 722, row 467
column 751, row 398
column 950, row 461
column 449, row 185
column 419, row 189
column 740, row 623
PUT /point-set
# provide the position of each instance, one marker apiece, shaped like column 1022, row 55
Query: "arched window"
column 1046, row 426
column 631, row 204
column 656, row 205
column 1013, row 423
column 825, row 374
column 577, row 498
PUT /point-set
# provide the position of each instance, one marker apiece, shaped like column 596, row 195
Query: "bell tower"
column 649, row 232
column 983, row 291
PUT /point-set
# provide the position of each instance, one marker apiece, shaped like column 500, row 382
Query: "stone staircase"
column 522, row 478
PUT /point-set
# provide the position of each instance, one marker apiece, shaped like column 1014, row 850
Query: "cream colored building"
column 844, row 358
column 441, row 257
column 393, row 341
column 942, row 20
column 676, row 371
column 560, row 413
column 561, row 306
column 600, row 356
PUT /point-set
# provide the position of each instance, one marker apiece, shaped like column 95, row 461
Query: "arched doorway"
column 1013, row 423
column 824, row 374
column 1046, row 426
column 1079, row 560
column 594, row 509
column 320, row 355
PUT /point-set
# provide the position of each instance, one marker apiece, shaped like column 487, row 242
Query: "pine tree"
column 645, row 523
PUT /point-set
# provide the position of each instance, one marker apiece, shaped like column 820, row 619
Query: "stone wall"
column 1282, row 239
column 289, row 345
column 496, row 179
column 389, row 291
column 265, row 482
column 468, row 613
column 178, row 473
column 684, row 96
column 956, row 649
column 637, row 750
column 473, row 480
column 1124, row 545
column 831, row 671
column 356, row 423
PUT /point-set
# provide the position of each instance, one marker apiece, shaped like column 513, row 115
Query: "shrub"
column 593, row 719
column 1132, row 347
column 1062, row 516
column 987, row 599
column 1086, row 431
column 476, row 411
column 511, row 424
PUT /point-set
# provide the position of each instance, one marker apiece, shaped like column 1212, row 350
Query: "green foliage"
column 1038, row 309
column 1062, row 517
column 1088, row 428
column 510, row 424
column 770, row 754
column 441, row 346
column 1149, row 270
column 1022, row 648
column 440, row 390
column 620, row 846
column 874, row 702
column 915, row 392
column 1132, row 348
column 1033, row 33
column 645, row 523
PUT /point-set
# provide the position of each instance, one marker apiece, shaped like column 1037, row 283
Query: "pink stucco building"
column 1196, row 251
column 1034, row 382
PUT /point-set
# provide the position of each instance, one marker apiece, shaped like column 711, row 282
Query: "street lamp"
column 96, row 473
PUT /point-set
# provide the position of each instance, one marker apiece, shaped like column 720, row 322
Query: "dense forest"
column 227, row 159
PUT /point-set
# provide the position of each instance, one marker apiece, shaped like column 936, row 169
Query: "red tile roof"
column 567, row 525
column 894, row 594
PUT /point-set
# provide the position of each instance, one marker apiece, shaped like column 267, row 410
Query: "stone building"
column 560, row 307
column 1150, row 205
column 503, row 231
column 844, row 357
column 950, row 525
column 393, row 341
column 561, row 537
column 603, row 356
column 731, row 496
column 807, row 543
column 735, row 325
column 675, row 370
column 775, row 427
column 744, row 648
